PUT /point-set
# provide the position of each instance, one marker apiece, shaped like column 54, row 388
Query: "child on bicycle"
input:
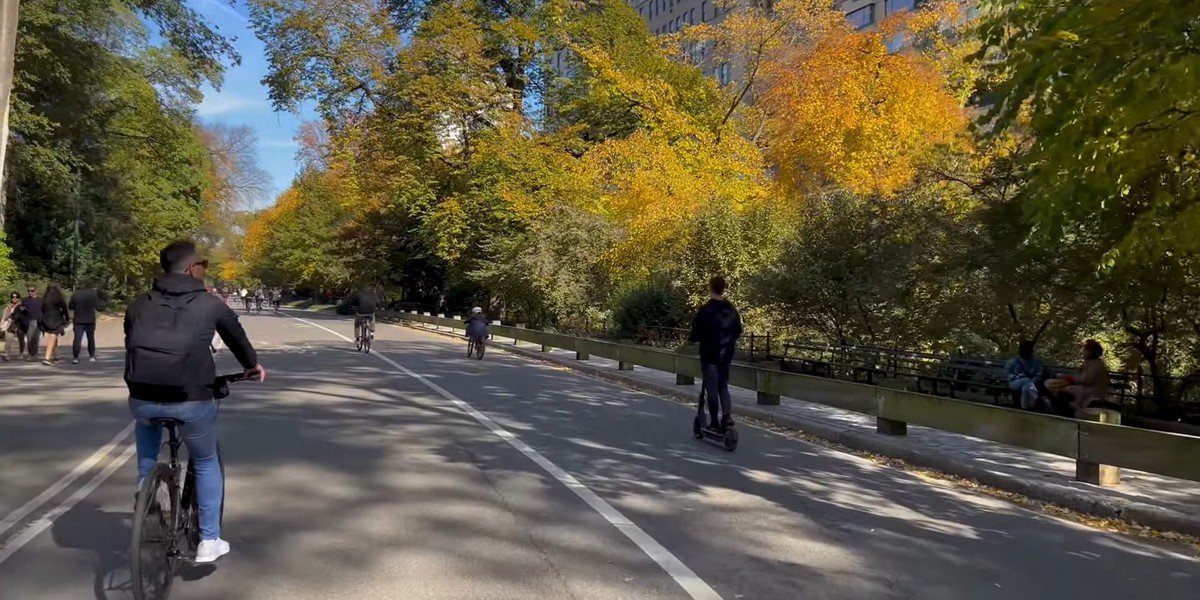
column 477, row 325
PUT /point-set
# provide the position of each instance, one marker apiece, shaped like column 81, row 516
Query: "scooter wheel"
column 731, row 439
column 696, row 425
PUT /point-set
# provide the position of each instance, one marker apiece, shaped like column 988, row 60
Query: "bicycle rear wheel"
column 479, row 344
column 470, row 347
column 154, row 551
column 367, row 335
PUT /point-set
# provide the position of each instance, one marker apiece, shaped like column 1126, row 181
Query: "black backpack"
column 164, row 345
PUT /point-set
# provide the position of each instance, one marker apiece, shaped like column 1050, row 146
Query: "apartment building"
column 670, row 16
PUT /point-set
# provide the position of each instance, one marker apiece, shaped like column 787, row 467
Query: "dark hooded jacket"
column 717, row 327
column 168, row 337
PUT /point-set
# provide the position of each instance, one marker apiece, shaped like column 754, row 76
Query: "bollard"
column 762, row 379
column 684, row 379
column 1096, row 473
column 768, row 399
column 890, row 427
column 581, row 355
column 624, row 366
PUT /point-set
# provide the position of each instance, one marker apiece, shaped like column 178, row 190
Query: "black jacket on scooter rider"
column 717, row 327
column 168, row 333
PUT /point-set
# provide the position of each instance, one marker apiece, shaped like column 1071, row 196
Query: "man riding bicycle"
column 365, row 303
column 170, row 373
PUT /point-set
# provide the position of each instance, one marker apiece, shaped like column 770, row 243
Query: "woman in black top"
column 54, row 320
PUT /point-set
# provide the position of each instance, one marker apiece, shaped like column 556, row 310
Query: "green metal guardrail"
column 1089, row 443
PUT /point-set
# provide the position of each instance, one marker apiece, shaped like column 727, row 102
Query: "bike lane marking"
column 63, row 482
column 11, row 546
column 684, row 576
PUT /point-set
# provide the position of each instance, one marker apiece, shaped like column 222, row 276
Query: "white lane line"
column 29, row 507
column 685, row 577
column 11, row 546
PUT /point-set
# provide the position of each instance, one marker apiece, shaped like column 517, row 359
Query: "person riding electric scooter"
column 717, row 327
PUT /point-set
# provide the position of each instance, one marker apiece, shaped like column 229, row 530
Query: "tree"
column 1107, row 91
column 103, row 134
column 834, row 106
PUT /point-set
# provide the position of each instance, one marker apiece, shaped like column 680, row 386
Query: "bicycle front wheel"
column 154, row 548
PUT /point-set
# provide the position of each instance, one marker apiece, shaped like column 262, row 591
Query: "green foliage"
column 657, row 303
column 8, row 269
column 1107, row 89
column 554, row 269
column 102, row 133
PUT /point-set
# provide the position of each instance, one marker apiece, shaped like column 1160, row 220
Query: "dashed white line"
column 684, row 576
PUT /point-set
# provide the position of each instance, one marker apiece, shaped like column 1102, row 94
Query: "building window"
column 723, row 74
column 704, row 11
column 692, row 17
column 895, row 6
column 863, row 17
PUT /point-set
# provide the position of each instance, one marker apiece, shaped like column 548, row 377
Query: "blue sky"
column 243, row 100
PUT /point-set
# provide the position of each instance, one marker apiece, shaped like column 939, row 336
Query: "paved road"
column 428, row 475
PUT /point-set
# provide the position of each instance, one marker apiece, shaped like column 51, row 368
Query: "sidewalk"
column 1144, row 498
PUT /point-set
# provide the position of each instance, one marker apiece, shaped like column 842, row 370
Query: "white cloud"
column 279, row 144
column 220, row 104
column 224, row 7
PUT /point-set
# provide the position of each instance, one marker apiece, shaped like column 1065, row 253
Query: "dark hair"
column 14, row 293
column 53, row 296
column 177, row 256
column 1025, row 348
column 717, row 285
column 1094, row 349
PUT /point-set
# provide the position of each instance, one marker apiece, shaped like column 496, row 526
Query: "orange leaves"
column 846, row 111
column 830, row 105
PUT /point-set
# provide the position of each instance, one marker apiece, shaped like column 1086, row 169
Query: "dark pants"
column 31, row 339
column 80, row 330
column 716, row 389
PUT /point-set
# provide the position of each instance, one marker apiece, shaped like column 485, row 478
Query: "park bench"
column 808, row 358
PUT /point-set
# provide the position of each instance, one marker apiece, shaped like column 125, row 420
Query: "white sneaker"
column 211, row 550
column 92, row 359
column 74, row 361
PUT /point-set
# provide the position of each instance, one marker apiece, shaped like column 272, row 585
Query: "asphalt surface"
column 430, row 475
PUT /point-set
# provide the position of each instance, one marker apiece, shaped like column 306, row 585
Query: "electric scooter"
column 727, row 439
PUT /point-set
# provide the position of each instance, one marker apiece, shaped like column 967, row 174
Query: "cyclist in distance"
column 170, row 373
column 477, row 325
column 365, row 303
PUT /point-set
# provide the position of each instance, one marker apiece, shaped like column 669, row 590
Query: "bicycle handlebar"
column 221, row 384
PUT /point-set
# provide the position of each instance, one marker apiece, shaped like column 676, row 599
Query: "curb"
column 1140, row 513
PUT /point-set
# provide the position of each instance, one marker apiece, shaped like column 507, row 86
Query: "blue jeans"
column 1028, row 389
column 199, row 433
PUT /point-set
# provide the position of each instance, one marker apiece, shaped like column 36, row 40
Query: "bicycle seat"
column 166, row 422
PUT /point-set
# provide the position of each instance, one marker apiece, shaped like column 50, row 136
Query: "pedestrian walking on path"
column 31, row 305
column 13, row 324
column 84, row 303
column 54, row 320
